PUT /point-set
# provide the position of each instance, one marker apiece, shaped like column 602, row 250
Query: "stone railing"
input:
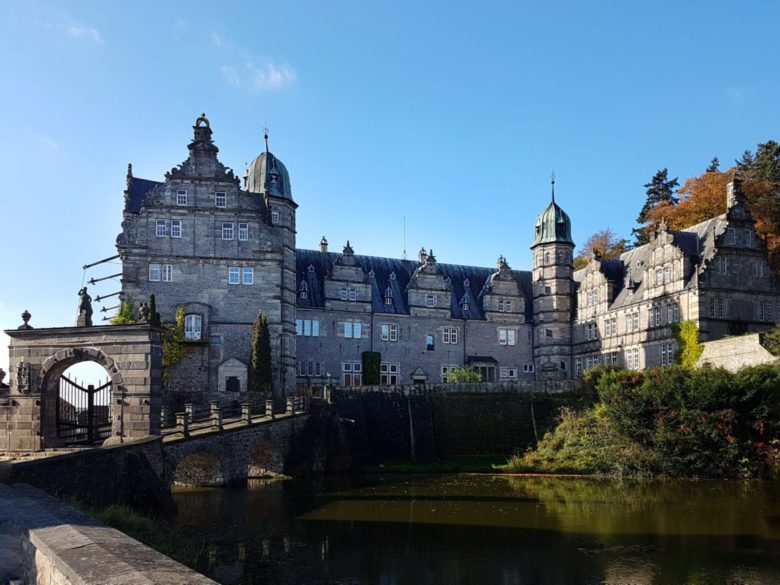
column 214, row 416
column 516, row 387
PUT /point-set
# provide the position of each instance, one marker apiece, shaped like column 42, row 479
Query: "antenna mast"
column 404, row 237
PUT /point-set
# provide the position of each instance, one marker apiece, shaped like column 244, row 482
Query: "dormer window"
column 388, row 296
column 303, row 290
column 465, row 307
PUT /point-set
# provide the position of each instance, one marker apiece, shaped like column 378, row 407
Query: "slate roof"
column 136, row 192
column 468, row 283
column 696, row 242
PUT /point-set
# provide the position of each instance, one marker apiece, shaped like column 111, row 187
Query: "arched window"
column 193, row 327
column 546, row 257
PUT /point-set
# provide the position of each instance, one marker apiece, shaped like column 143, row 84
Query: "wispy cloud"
column 248, row 71
column 51, row 143
column 80, row 31
column 256, row 76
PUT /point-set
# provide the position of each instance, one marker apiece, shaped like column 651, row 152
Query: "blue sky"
column 448, row 114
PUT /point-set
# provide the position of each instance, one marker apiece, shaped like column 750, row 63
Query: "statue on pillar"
column 85, row 309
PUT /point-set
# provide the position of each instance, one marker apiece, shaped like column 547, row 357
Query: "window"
column 429, row 342
column 610, row 327
column 192, row 327
column 528, row 367
column 234, row 275
column 430, row 300
column 748, row 237
column 667, row 274
column 352, row 373
column 731, row 236
column 175, row 228
column 161, row 228
column 548, row 333
column 547, row 290
column 445, row 370
column 388, row 374
column 611, row 358
column 389, row 332
column 592, row 331
column 655, row 317
column 449, row 335
column 672, row 313
column 167, row 273
column 154, row 272
column 309, row 368
column 249, row 275
column 243, row 231
column 227, row 231
column 546, row 257
column 507, row 373
column 220, row 199
column 659, row 276
column 352, row 294
column 632, row 358
column 307, row 327
column 274, row 216
column 504, row 305
column 215, row 347
column 632, row 322
column 578, row 366
column 667, row 354
column 181, row 197
column 353, row 329
column 507, row 336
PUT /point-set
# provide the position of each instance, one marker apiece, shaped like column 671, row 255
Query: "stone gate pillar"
column 132, row 356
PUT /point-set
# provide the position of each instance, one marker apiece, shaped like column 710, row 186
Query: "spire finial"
column 265, row 137
column 552, row 182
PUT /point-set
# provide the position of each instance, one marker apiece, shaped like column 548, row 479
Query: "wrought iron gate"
column 83, row 414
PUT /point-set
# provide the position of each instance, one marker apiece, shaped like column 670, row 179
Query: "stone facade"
column 225, row 251
column 734, row 353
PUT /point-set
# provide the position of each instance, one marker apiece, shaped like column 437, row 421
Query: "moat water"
column 474, row 529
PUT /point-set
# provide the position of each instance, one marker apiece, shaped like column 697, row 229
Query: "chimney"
column 734, row 194
column 323, row 245
column 422, row 255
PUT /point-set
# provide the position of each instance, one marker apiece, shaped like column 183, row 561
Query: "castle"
column 226, row 250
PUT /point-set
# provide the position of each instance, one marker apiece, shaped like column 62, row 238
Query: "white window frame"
column 220, row 199
column 176, row 228
column 430, row 301
column 389, row 373
column 228, row 230
column 155, row 272
column 275, row 217
column 352, row 294
column 234, row 275
column 161, row 228
column 181, row 197
column 193, row 327
column 449, row 335
column 243, row 232
column 507, row 336
column 248, row 275
column 353, row 329
column 167, row 273
column 352, row 373
column 445, row 370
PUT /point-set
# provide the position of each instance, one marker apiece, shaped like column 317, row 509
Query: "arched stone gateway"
column 132, row 356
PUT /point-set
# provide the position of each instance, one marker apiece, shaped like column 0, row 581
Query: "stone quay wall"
column 428, row 423
column 44, row 541
column 734, row 353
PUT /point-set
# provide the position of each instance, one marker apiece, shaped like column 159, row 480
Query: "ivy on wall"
column 174, row 343
column 688, row 347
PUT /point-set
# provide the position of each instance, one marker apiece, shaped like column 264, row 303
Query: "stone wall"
column 128, row 474
column 47, row 542
column 734, row 353
column 423, row 424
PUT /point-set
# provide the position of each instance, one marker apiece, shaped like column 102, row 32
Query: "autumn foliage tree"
column 605, row 242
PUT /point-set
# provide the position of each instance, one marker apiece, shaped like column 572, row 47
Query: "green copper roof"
column 267, row 175
column 553, row 226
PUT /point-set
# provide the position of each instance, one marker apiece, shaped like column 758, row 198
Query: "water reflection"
column 486, row 529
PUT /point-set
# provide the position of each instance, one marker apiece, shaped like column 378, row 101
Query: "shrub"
column 463, row 375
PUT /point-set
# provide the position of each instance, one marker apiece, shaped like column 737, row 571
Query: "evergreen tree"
column 260, row 375
column 660, row 190
column 154, row 316
column 746, row 161
column 714, row 166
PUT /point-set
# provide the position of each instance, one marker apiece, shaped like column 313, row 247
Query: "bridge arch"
column 199, row 468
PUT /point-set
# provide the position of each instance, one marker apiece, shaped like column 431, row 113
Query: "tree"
column 154, row 316
column 463, row 375
column 714, row 166
column 761, row 185
column 260, row 376
column 605, row 242
column 126, row 314
column 660, row 191
column 372, row 363
column 699, row 198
